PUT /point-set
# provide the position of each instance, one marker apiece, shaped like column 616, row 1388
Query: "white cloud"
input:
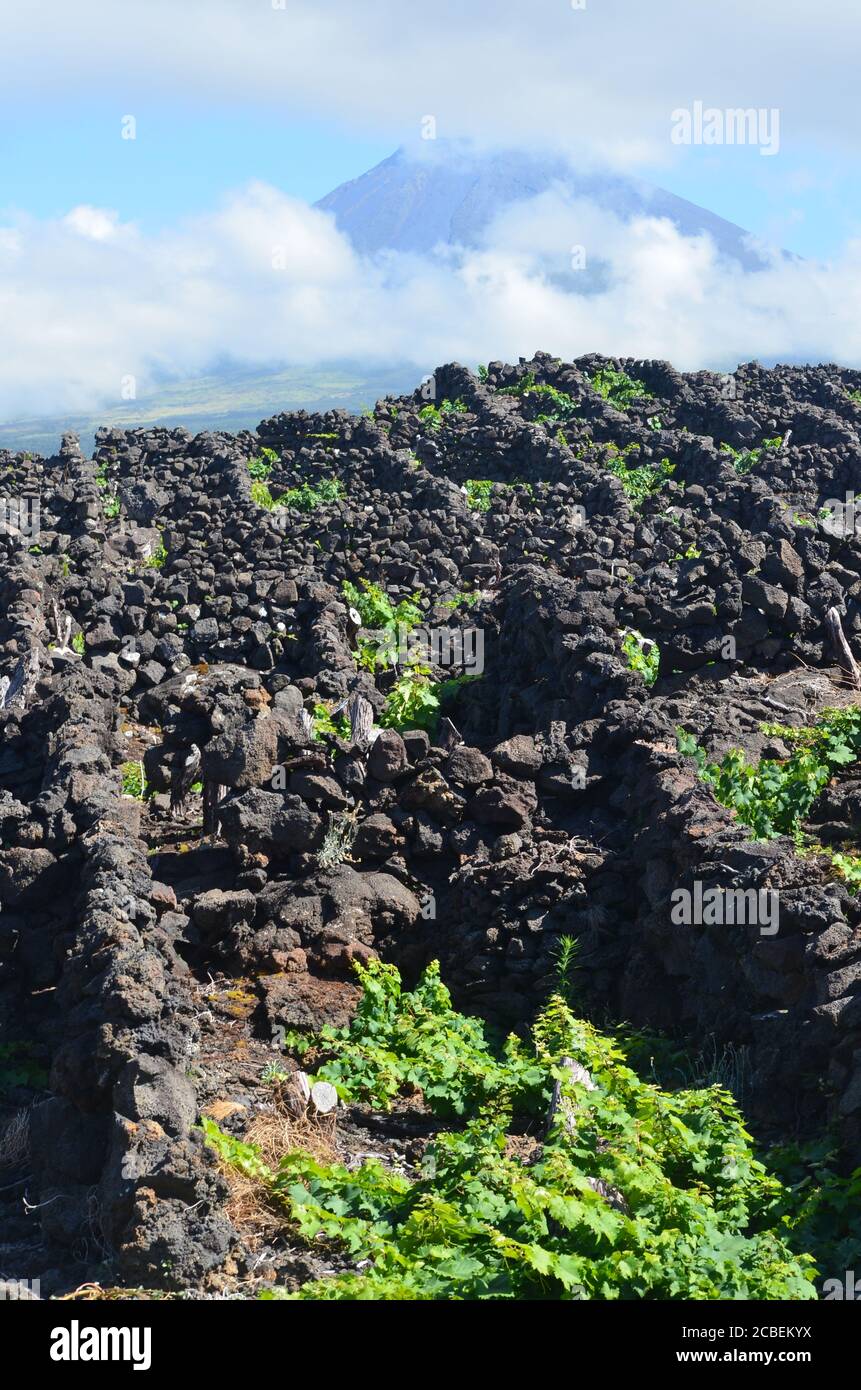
column 99, row 224
column 603, row 79
column 82, row 311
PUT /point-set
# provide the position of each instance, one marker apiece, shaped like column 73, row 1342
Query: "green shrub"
column 326, row 723
column 521, row 387
column 743, row 460
column 644, row 1194
column 821, row 1208
column 261, row 467
column 377, row 613
column 618, row 388
column 774, row 798
column 642, row 654
column 306, row 497
column 478, row 491
column 562, row 406
column 262, row 497
column 133, row 780
column 639, row 482
column 413, row 701
column 376, row 609
column 848, row 866
column 462, row 597
column 434, row 416
column 158, row 559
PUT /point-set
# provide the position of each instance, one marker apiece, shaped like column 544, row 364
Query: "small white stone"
column 324, row 1097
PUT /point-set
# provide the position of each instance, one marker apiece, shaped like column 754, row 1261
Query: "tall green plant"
column 635, row 1193
column 775, row 797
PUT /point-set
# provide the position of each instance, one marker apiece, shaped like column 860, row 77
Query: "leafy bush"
column 413, row 701
column 158, row 559
column 774, row 798
column 102, row 480
column 562, row 406
column 377, row 613
column 639, row 482
column 618, row 388
column 478, row 492
column 376, row 609
column 327, row 723
column 463, row 597
column 306, row 497
column 434, row 416
column 847, row 865
column 821, row 1208
column 743, row 460
column 78, row 643
column 262, row 497
column 133, row 780
column 261, row 467
column 523, row 385
column 642, row 654
column 416, row 700
column 635, row 1193
column 401, row 1040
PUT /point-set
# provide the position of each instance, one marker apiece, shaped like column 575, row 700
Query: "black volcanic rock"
column 198, row 845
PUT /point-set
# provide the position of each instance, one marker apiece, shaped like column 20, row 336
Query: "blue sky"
column 185, row 157
column 810, row 203
column 182, row 161
column 310, row 94
column 154, row 257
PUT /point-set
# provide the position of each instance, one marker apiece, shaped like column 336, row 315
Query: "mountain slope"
column 228, row 398
column 452, row 196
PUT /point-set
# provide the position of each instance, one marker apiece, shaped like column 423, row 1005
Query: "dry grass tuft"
column 275, row 1133
column 251, row 1206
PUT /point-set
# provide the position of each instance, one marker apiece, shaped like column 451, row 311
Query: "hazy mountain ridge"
column 452, row 197
column 447, row 197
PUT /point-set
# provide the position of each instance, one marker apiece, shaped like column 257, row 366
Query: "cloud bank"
column 584, row 75
column 88, row 301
